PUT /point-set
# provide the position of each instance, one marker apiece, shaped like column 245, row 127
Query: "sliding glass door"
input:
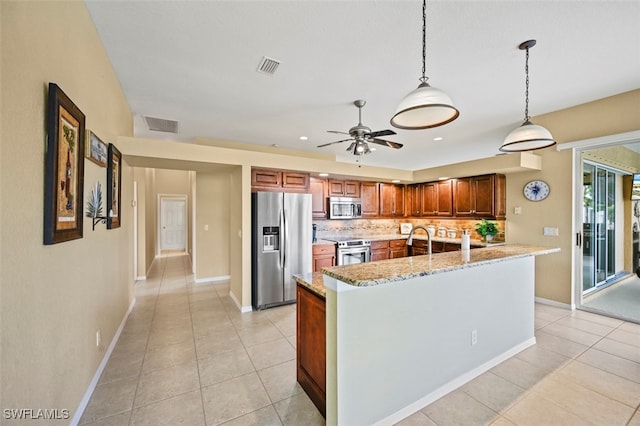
column 599, row 226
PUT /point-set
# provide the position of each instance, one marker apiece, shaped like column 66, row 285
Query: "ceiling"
column 196, row 62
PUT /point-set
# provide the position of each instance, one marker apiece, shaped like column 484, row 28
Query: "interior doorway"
column 173, row 223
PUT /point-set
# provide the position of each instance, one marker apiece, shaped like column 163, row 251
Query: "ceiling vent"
column 268, row 65
column 161, row 124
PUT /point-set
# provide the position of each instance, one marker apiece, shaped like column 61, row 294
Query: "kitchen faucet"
column 410, row 239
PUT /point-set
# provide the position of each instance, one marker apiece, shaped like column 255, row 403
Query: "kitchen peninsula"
column 401, row 333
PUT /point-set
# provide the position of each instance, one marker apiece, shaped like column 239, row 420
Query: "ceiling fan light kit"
column 426, row 106
column 529, row 136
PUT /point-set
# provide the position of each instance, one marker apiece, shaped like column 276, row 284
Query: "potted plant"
column 487, row 229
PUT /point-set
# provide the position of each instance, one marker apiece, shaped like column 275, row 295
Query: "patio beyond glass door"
column 598, row 249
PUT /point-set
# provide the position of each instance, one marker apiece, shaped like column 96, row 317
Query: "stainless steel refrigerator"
column 281, row 246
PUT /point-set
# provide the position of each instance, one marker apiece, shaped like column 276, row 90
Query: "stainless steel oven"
column 353, row 252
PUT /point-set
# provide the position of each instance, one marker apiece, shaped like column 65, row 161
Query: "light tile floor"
column 187, row 356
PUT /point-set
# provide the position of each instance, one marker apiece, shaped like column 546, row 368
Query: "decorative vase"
column 489, row 238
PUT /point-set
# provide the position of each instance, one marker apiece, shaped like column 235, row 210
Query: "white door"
column 173, row 224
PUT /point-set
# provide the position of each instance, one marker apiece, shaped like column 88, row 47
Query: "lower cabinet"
column 324, row 256
column 311, row 356
column 388, row 249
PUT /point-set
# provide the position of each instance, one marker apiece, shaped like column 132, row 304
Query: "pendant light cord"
column 424, row 77
column 526, row 92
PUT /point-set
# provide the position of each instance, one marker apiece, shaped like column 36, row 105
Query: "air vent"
column 268, row 65
column 161, row 124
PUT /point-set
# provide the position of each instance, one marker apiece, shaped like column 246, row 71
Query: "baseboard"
column 212, row 279
column 242, row 309
column 454, row 384
column 555, row 304
column 92, row 385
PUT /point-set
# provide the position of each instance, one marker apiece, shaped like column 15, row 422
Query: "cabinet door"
column 415, row 199
column 464, row 197
column 369, row 196
column 429, row 199
column 318, row 189
column 397, row 248
column 352, row 188
column 387, row 199
column 398, row 201
column 500, row 209
column 336, row 188
column 311, row 346
column 445, row 198
column 295, row 181
column 325, row 261
column 266, row 178
column 484, row 189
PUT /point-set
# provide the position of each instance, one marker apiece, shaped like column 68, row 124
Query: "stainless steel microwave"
column 345, row 208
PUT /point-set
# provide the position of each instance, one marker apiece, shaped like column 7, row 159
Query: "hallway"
column 187, row 356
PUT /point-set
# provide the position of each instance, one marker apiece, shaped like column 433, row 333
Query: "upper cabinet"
column 472, row 197
column 318, row 189
column 432, row 199
column 369, row 196
column 391, row 200
column 480, row 197
column 279, row 180
column 344, row 188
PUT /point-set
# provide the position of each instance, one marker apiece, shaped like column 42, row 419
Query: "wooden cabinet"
column 419, row 248
column 414, row 199
column 344, row 188
column 397, row 248
column 391, row 200
column 480, row 196
column 279, row 180
column 318, row 189
column 311, row 351
column 369, row 196
column 324, row 256
column 436, row 198
column 388, row 249
column 379, row 250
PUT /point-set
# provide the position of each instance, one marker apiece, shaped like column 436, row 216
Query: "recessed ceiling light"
column 275, row 145
column 372, row 149
column 304, row 138
column 323, row 174
column 443, row 178
column 396, row 181
column 439, row 138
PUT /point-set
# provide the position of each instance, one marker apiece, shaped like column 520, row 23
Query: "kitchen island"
column 401, row 333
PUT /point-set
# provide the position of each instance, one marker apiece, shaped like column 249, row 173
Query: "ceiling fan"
column 361, row 135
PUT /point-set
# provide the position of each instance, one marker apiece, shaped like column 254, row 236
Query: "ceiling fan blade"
column 336, row 131
column 382, row 133
column 390, row 144
column 331, row 143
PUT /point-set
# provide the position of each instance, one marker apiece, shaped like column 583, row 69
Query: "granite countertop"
column 421, row 236
column 384, row 271
column 313, row 281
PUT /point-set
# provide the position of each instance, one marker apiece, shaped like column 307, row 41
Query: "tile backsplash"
column 392, row 226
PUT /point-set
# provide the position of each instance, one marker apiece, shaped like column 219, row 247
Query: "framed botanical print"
column 64, row 169
column 114, row 181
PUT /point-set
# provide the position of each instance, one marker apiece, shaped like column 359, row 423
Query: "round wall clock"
column 536, row 190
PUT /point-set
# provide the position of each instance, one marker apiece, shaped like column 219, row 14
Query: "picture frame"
column 114, row 184
column 96, row 150
column 64, row 169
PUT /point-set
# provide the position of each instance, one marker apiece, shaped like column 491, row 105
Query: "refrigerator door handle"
column 285, row 232
column 282, row 240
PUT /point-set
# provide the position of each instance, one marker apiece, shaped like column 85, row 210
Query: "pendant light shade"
column 426, row 106
column 529, row 136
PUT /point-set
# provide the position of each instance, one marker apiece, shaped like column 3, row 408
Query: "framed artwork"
column 114, row 179
column 64, row 169
column 95, row 149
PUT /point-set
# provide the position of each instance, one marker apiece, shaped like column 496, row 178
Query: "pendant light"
column 528, row 136
column 426, row 106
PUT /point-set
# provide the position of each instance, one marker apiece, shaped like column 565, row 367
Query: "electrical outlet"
column 474, row 337
column 206, row 227
column 550, row 232
column 517, row 210
column 98, row 338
